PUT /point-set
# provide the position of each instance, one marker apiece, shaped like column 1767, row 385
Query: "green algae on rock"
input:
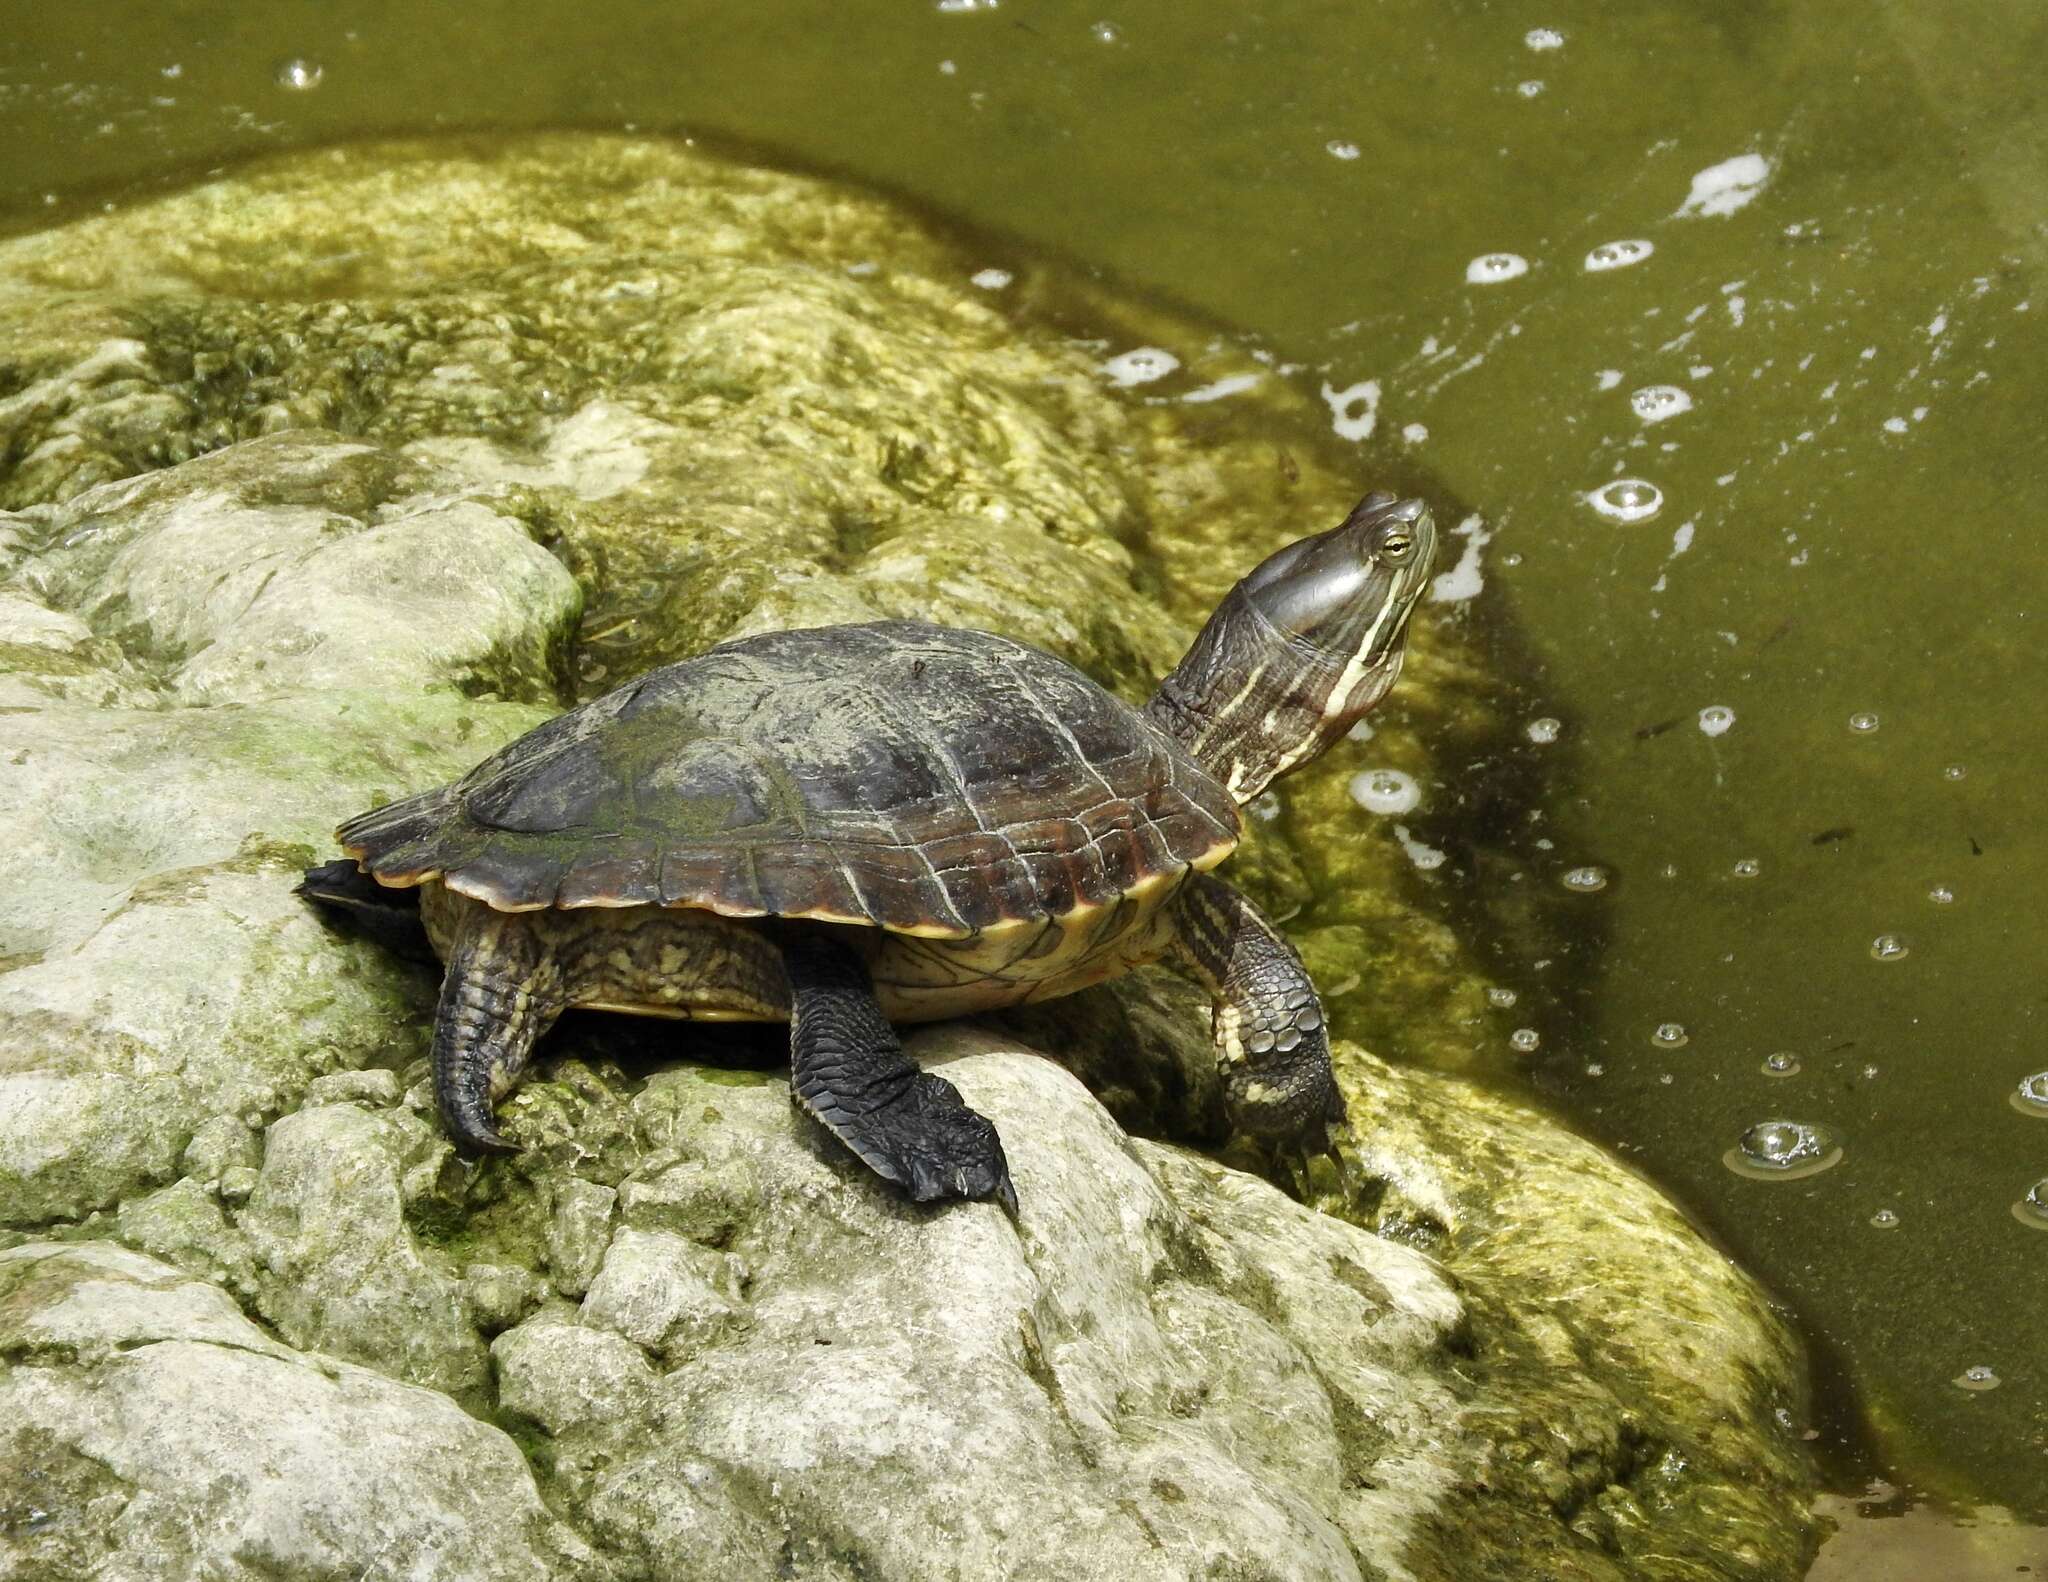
column 328, row 477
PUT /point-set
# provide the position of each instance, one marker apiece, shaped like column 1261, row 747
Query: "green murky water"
column 1849, row 520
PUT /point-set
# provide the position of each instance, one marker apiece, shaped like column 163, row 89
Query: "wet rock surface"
column 527, row 420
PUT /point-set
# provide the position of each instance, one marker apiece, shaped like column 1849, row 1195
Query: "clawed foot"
column 1300, row 1161
column 925, row 1139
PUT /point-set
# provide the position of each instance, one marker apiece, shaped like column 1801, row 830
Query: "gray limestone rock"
column 149, row 1431
column 271, row 556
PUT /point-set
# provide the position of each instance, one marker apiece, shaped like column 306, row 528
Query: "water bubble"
column 1385, row 791
column 991, row 279
column 1490, row 269
column 1976, row 1377
column 1655, row 403
column 1499, row 998
column 1529, row 89
column 2031, row 1096
column 1746, row 868
column 2032, row 1208
column 1523, row 1040
column 300, row 76
column 1140, row 366
column 1618, row 255
column 1266, row 808
column 1954, row 772
column 1105, row 32
column 1782, row 1151
column 1542, row 38
column 1941, row 895
column 1586, row 879
column 1885, row 1219
column 1870, row 1073
column 1338, row 148
column 1781, row 1065
column 1863, row 722
column 1715, row 719
column 1888, row 947
column 1670, row 1035
column 1544, row 731
column 1627, row 500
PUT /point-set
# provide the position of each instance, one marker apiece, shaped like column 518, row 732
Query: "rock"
column 664, row 1293
column 501, row 1295
column 285, row 536
column 578, row 1233
column 147, row 1429
column 374, row 1087
column 341, row 1270
column 563, row 1376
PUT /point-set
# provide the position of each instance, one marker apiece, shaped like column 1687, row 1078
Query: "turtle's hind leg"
column 848, row 1070
column 502, row 991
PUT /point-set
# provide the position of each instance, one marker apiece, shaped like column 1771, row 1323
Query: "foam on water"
column 1721, row 189
column 1354, row 410
column 1464, row 580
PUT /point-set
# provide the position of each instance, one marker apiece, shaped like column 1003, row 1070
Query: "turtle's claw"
column 1299, row 1160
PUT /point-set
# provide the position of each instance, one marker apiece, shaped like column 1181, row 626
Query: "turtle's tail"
column 390, row 917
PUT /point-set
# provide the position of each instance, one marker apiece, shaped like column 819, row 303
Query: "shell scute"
column 908, row 776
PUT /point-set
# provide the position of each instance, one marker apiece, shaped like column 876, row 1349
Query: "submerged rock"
column 328, row 478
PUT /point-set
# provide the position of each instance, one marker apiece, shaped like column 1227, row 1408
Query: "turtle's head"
column 1302, row 647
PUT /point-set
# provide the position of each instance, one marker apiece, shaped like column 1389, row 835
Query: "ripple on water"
column 1655, row 403
column 1746, row 868
column 1587, row 879
column 1385, row 791
column 1490, row 269
column 1889, row 947
column 1627, row 500
column 1781, row 1150
column 1617, row 255
column 1885, row 1219
column 2032, row 1208
column 1863, row 722
column 1140, row 366
column 1524, row 1040
column 1978, row 1377
column 1670, row 1035
column 299, row 75
column 2031, row 1096
column 1782, row 1064
column 1716, row 718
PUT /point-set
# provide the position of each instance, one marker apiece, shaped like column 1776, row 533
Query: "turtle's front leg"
column 847, row 1068
column 1268, row 1026
column 502, row 991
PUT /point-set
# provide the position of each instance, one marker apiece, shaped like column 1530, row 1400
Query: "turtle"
column 850, row 827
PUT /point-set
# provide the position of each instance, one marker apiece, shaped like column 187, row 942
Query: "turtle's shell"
column 917, row 778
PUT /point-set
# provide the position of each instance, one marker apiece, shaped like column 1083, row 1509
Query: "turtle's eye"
column 1397, row 547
